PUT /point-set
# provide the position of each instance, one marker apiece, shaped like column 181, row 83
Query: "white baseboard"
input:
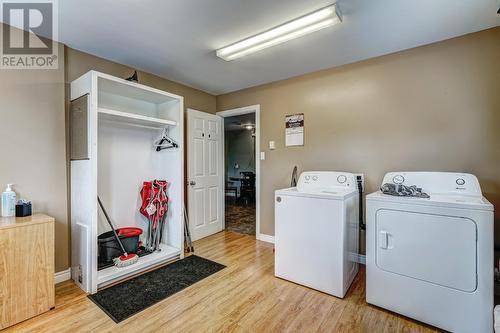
column 62, row 276
column 266, row 238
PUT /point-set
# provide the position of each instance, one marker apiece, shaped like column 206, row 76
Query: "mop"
column 154, row 207
column 126, row 259
column 187, row 234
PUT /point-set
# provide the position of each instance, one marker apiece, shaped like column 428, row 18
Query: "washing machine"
column 431, row 259
column 316, row 231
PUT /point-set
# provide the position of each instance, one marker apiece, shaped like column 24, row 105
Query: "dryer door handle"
column 383, row 239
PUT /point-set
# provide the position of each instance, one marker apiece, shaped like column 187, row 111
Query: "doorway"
column 241, row 137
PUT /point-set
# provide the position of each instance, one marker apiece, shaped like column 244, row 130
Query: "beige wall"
column 32, row 143
column 435, row 107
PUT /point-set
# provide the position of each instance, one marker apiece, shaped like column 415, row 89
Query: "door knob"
column 192, row 183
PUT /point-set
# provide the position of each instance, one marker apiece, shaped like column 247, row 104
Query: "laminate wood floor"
column 244, row 297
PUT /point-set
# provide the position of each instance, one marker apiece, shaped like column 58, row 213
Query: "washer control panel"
column 320, row 181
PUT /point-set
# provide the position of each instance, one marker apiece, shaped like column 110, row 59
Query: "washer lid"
column 330, row 193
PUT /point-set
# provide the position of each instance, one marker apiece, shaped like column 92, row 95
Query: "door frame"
column 237, row 112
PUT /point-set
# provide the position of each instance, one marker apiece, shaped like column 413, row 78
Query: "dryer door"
column 432, row 248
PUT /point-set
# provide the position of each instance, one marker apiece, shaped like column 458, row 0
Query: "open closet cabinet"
column 113, row 125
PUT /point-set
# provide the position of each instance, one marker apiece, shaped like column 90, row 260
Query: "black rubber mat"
column 130, row 297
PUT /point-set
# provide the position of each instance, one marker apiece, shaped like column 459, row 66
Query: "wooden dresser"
column 26, row 267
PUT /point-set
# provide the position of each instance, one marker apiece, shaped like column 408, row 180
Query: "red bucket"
column 129, row 232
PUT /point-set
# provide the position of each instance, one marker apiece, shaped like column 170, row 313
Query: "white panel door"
column 205, row 177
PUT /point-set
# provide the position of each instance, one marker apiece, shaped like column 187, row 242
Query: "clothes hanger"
column 165, row 142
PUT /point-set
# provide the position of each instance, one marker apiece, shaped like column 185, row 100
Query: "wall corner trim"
column 62, row 276
column 265, row 238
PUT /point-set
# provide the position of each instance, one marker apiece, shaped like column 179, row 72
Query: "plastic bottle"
column 8, row 202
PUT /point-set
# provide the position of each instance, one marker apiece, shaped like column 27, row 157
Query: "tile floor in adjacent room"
column 240, row 217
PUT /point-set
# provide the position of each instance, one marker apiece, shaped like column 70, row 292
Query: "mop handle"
column 111, row 225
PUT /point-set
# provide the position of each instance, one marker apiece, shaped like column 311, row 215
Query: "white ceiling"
column 176, row 39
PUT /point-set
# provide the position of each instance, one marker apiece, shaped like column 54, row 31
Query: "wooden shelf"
column 133, row 118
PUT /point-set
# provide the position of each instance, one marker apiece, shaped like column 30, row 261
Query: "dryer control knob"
column 398, row 179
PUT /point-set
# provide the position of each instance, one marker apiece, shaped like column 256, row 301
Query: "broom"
column 126, row 259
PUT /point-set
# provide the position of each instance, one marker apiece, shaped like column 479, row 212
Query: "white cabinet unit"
column 115, row 123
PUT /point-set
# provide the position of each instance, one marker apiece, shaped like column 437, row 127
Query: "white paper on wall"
column 294, row 130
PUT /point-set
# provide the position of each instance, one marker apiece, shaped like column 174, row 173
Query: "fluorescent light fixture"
column 301, row 26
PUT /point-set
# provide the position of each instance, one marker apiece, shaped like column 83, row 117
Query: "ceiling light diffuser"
column 299, row 27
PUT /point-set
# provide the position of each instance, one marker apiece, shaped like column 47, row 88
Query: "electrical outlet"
column 362, row 176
